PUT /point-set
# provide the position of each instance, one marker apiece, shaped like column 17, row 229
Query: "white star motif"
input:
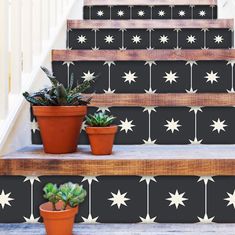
column 161, row 13
column 126, row 126
column 34, row 126
column 5, row 199
column 218, row 39
column 191, row 39
column 109, row 39
column 205, row 219
column 172, row 125
column 103, row 109
column 148, row 179
column 202, row 13
column 141, row 13
column 231, row 199
column 148, row 220
column 100, row 13
column 129, row 77
column 89, row 179
column 171, row 77
column 82, row 39
column 149, row 141
column 84, row 125
column 31, row 219
column 90, row 220
column 31, row 179
column 177, row 199
column 181, row 13
column 88, row 76
column 218, row 125
column 119, row 199
column 136, row 39
column 206, row 179
column 212, row 77
column 163, row 39
column 120, row 13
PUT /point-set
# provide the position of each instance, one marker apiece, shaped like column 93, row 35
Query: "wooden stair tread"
column 142, row 55
column 126, row 160
column 125, row 229
column 155, row 24
column 163, row 100
column 149, row 2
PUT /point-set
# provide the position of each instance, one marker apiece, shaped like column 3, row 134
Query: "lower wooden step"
column 141, row 160
column 125, row 229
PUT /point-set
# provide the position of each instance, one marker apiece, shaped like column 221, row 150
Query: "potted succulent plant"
column 63, row 204
column 60, row 112
column 101, row 133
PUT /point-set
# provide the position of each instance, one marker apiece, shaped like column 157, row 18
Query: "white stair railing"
column 27, row 27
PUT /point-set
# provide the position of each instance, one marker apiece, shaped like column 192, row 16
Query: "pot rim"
column 51, row 211
column 102, row 130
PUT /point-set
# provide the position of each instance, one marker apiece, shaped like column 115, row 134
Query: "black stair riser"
column 156, row 118
column 145, row 199
column 171, row 12
column 207, row 76
column 149, row 38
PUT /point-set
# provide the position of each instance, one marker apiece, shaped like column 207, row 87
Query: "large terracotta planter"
column 101, row 139
column 60, row 127
column 58, row 222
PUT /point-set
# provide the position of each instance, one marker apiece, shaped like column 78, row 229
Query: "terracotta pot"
column 101, row 139
column 58, row 222
column 60, row 127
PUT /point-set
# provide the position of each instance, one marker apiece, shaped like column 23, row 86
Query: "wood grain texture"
column 142, row 55
column 148, row 2
column 149, row 24
column 126, row 160
column 125, row 229
column 163, row 100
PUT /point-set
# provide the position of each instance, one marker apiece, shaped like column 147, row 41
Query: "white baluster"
column 45, row 19
column 37, row 35
column 4, row 56
column 27, row 36
column 52, row 14
column 16, row 53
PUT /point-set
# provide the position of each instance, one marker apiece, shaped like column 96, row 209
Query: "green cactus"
column 70, row 194
column 58, row 95
column 100, row 119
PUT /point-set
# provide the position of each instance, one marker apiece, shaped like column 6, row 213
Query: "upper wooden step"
column 148, row 2
column 151, row 24
column 142, row 55
column 141, row 160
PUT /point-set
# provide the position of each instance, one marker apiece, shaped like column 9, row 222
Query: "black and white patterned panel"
column 150, row 76
column 150, row 12
column 165, row 125
column 133, row 199
column 125, row 39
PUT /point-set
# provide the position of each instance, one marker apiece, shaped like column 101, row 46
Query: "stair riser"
column 149, row 39
column 170, row 12
column 142, row 197
column 195, row 125
column 184, row 81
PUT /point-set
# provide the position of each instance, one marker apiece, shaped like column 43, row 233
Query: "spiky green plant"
column 100, row 119
column 70, row 194
column 58, row 95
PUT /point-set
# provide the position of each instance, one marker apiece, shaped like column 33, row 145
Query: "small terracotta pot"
column 60, row 127
column 58, row 222
column 101, row 139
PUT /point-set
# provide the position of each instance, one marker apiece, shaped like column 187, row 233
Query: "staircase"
column 166, row 71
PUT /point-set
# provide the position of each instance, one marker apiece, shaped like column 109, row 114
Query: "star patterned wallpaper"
column 150, row 12
column 125, row 39
column 123, row 199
